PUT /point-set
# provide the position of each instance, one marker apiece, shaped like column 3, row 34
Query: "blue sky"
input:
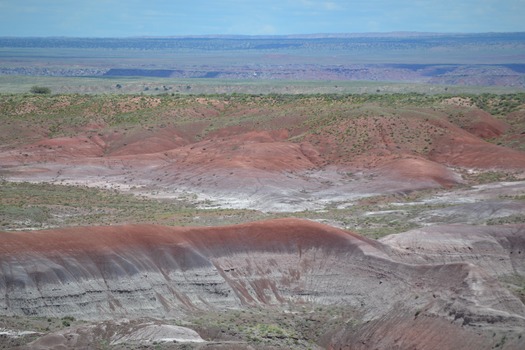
column 116, row 18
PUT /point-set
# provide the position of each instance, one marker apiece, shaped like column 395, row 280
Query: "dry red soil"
column 247, row 154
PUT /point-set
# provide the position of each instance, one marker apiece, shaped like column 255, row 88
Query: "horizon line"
column 272, row 36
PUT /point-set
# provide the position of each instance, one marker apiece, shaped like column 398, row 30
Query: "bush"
column 40, row 90
column 66, row 320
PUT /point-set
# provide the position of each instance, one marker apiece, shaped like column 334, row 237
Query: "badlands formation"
column 455, row 281
column 408, row 291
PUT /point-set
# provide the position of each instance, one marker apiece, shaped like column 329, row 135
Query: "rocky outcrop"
column 115, row 334
column 497, row 250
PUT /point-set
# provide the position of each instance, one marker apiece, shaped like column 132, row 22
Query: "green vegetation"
column 516, row 284
column 28, row 205
column 32, row 324
column 490, row 176
column 499, row 104
column 297, row 328
column 40, row 90
column 105, row 106
column 67, row 320
column 507, row 220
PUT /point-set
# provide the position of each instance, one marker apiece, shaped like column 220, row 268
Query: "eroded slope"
column 126, row 271
column 277, row 153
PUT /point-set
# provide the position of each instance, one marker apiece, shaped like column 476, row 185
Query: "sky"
column 117, row 18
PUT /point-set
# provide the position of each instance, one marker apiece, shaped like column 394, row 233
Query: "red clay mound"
column 420, row 170
column 466, row 150
column 516, row 138
column 144, row 142
column 70, row 147
column 54, row 150
column 153, row 270
column 265, row 235
column 478, row 122
column 254, row 150
column 461, row 144
column 405, row 330
column 147, row 270
column 484, row 125
column 452, row 138
column 236, row 160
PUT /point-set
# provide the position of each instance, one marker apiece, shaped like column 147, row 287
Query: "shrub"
column 40, row 90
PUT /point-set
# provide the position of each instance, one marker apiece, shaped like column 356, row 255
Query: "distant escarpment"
column 477, row 59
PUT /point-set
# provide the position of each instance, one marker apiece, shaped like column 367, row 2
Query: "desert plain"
column 179, row 211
